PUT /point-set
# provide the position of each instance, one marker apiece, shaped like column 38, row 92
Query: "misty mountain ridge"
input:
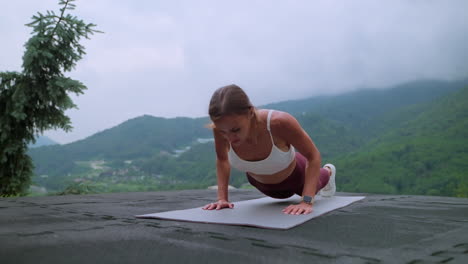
column 146, row 146
column 334, row 106
column 42, row 141
column 360, row 105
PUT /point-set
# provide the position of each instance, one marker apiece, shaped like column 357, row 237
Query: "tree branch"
column 60, row 18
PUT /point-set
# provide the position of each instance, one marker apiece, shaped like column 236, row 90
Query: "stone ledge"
column 101, row 228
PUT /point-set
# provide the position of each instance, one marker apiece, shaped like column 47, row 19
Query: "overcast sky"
column 165, row 58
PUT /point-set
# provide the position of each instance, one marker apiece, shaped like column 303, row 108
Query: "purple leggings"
column 293, row 184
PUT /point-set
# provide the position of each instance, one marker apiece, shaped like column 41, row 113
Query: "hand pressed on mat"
column 219, row 205
column 293, row 209
column 297, row 209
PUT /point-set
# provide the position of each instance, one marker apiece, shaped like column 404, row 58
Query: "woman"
column 262, row 143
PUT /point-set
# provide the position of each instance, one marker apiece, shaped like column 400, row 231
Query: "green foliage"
column 425, row 155
column 36, row 99
column 78, row 188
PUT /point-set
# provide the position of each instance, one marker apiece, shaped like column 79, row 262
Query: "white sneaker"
column 329, row 189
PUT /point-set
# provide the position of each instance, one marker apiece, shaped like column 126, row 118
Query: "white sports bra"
column 278, row 160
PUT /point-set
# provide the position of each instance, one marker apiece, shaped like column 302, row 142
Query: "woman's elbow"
column 314, row 158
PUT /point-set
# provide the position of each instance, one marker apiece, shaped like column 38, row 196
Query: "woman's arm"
column 289, row 129
column 223, row 171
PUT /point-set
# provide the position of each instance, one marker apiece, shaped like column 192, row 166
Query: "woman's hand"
column 297, row 209
column 219, row 205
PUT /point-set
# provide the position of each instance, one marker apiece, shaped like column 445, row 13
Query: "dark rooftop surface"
column 102, row 229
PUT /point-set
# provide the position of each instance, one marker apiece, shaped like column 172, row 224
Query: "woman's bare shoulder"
column 282, row 120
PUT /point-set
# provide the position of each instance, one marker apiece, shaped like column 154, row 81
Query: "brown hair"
column 229, row 100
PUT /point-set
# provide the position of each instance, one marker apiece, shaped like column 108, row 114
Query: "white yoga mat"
column 264, row 212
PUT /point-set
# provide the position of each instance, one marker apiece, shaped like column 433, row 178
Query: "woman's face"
column 235, row 128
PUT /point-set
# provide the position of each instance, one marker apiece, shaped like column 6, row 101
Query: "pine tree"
column 36, row 99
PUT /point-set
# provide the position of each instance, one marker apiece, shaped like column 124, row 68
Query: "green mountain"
column 356, row 131
column 138, row 137
column 365, row 109
column 425, row 155
column 135, row 138
column 141, row 137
